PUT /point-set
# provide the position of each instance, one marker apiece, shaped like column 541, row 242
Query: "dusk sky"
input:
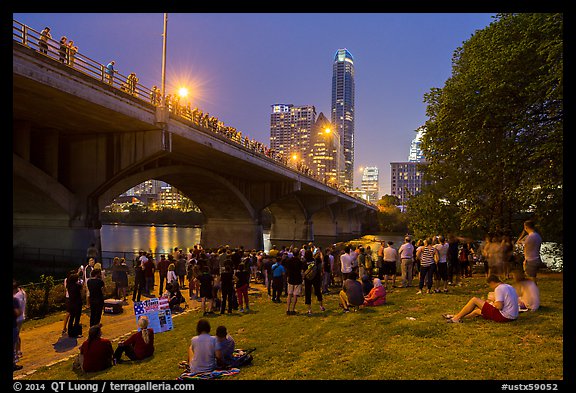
column 238, row 65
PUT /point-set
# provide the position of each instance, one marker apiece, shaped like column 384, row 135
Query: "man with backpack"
column 313, row 279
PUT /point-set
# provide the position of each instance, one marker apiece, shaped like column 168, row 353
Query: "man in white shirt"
column 390, row 259
column 532, row 243
column 406, row 252
column 346, row 263
column 503, row 307
column 442, row 264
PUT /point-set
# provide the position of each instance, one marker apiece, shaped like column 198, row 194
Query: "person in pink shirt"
column 377, row 295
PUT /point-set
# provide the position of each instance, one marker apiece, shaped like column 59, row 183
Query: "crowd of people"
column 220, row 279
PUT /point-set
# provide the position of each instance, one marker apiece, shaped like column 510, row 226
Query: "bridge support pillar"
column 221, row 232
column 286, row 231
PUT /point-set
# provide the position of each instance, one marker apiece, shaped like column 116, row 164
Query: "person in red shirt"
column 138, row 346
column 96, row 352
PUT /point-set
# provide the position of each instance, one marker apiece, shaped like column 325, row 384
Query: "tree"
column 390, row 218
column 494, row 134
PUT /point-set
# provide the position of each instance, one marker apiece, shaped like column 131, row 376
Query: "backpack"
column 310, row 272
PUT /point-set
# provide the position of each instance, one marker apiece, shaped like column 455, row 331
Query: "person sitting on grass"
column 527, row 291
column 377, row 295
column 138, row 346
column 202, row 349
column 227, row 355
column 96, row 353
column 351, row 293
column 174, row 296
column 503, row 307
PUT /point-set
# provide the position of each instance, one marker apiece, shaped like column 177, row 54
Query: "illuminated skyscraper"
column 370, row 183
column 291, row 128
column 343, row 109
column 415, row 151
column 325, row 156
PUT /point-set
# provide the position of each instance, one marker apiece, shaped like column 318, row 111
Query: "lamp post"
column 162, row 110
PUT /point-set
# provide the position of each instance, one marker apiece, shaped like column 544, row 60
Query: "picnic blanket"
column 208, row 374
column 241, row 357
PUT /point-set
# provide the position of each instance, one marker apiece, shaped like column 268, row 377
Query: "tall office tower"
column 291, row 128
column 415, row 151
column 325, row 155
column 370, row 183
column 343, row 109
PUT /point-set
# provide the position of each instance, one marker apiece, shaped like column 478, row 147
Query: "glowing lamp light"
column 183, row 92
column 294, row 156
column 327, row 130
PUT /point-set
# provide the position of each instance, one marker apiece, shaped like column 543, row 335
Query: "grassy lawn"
column 373, row 343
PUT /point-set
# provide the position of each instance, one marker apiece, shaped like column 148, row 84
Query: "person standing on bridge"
column 43, row 42
column 72, row 50
column 63, row 51
column 109, row 70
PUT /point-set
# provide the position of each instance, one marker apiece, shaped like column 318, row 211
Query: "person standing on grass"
column 122, row 279
column 503, row 307
column 426, row 254
column 442, row 264
column 327, row 263
column 243, row 276
column 20, row 295
column 74, row 286
column 406, row 252
column 163, row 272
column 278, row 272
column 149, row 268
column 532, row 243
column 454, row 268
column 206, row 290
column 380, row 260
column 139, row 282
column 96, row 287
column 227, row 287
column 390, row 260
column 314, row 281
column 294, row 268
column 346, row 263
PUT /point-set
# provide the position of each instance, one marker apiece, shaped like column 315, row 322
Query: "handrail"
column 30, row 38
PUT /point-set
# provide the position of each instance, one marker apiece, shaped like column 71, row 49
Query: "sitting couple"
column 352, row 293
column 207, row 353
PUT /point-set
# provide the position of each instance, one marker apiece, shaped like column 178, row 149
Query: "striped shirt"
column 427, row 256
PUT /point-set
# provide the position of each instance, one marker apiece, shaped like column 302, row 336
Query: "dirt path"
column 45, row 345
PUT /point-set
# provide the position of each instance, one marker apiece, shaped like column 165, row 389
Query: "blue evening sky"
column 238, row 65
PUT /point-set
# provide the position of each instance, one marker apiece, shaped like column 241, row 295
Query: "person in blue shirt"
column 278, row 273
column 109, row 70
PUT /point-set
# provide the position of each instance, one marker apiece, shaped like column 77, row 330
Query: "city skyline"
column 236, row 67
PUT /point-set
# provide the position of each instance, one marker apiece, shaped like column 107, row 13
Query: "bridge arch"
column 229, row 217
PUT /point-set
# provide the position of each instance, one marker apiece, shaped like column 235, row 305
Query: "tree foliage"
column 493, row 140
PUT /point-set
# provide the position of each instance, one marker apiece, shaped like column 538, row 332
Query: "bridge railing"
column 71, row 57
